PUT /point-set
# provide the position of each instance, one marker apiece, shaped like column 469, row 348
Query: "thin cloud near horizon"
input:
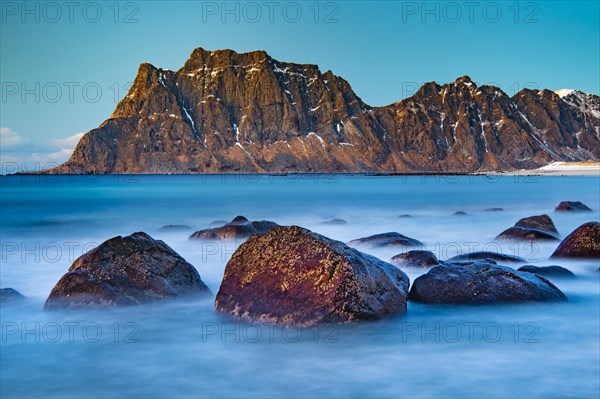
column 19, row 153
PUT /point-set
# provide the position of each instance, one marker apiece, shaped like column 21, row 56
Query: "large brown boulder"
column 295, row 277
column 126, row 271
column 583, row 242
column 238, row 228
column 481, row 283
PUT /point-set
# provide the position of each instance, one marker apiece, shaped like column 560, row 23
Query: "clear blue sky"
column 383, row 48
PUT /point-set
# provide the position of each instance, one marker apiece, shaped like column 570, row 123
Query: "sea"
column 186, row 349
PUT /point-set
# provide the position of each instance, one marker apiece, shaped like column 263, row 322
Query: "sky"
column 65, row 65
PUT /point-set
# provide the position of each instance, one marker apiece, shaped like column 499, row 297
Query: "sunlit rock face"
column 233, row 112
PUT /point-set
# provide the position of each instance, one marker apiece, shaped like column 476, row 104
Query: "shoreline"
column 554, row 169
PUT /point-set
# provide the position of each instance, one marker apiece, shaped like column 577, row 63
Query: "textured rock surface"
column 293, row 276
column 247, row 112
column 525, row 234
column 126, row 271
column 583, row 242
column 572, row 206
column 10, row 295
column 392, row 239
column 531, row 228
column 481, row 283
column 483, row 255
column 540, row 222
column 548, row 271
column 238, row 228
column 415, row 259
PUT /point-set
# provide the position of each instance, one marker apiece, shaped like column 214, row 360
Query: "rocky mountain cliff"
column 227, row 112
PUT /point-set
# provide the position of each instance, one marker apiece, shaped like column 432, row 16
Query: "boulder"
column 292, row 276
column 481, row 283
column 548, row 271
column 531, row 228
column 174, row 227
column 583, row 242
column 10, row 295
column 126, row 271
column 483, row 255
column 238, row 228
column 415, row 259
column 539, row 222
column 572, row 206
column 392, row 239
column 335, row 222
column 525, row 234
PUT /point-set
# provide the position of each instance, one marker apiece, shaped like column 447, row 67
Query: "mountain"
column 226, row 112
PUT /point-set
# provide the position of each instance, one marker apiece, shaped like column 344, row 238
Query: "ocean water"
column 185, row 349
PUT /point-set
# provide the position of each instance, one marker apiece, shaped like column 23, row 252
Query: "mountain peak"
column 466, row 80
column 200, row 58
column 564, row 92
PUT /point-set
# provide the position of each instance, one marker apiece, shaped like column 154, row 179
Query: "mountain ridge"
column 229, row 112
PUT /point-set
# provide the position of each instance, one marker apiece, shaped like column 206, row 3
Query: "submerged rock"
column 525, row 234
column 539, row 222
column 406, row 215
column 126, row 271
column 387, row 240
column 10, row 295
column 494, row 210
column 460, row 213
column 238, row 228
column 583, row 242
column 481, row 283
column 415, row 259
column 174, row 227
column 295, row 277
column 531, row 228
column 335, row 222
column 483, row 255
column 572, row 206
column 548, row 271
